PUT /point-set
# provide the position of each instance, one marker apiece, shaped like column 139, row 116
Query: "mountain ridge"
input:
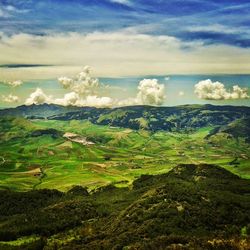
column 138, row 117
column 176, row 210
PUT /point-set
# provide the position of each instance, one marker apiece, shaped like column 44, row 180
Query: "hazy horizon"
column 178, row 89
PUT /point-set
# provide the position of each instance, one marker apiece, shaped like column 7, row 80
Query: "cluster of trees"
column 199, row 207
column 181, row 118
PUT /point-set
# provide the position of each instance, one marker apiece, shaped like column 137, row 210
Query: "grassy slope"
column 118, row 156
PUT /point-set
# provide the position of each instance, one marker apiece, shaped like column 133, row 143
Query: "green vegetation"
column 192, row 207
column 127, row 178
column 34, row 153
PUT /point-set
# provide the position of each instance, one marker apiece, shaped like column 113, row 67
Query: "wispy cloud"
column 195, row 20
column 125, row 2
column 135, row 54
column 3, row 12
column 8, row 11
column 153, row 36
column 19, row 65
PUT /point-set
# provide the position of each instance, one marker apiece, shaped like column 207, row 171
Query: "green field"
column 119, row 155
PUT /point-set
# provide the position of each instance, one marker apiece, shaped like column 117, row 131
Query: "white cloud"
column 9, row 10
column 96, row 101
column 69, row 99
column 125, row 2
column 38, row 97
column 128, row 102
column 135, row 54
column 73, row 99
column 3, row 12
column 14, row 84
column 181, row 93
column 10, row 98
column 85, row 90
column 209, row 90
column 151, row 92
column 218, row 28
column 66, row 82
column 83, row 87
column 82, row 84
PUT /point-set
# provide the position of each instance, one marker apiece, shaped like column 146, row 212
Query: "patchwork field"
column 35, row 154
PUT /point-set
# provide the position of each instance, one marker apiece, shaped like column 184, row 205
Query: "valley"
column 76, row 151
column 124, row 125
column 124, row 179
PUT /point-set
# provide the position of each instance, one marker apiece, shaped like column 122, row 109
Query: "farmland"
column 46, row 159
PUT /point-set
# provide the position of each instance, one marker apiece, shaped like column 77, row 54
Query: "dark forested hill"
column 191, row 207
column 40, row 111
column 187, row 117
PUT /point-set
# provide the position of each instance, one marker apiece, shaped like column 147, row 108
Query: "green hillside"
column 179, row 118
column 126, row 178
column 191, row 207
column 35, row 154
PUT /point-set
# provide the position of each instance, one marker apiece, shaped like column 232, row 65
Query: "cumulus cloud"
column 96, row 101
column 38, row 97
column 10, row 98
column 83, row 89
column 73, row 99
column 151, row 92
column 209, row 90
column 14, row 84
column 128, row 102
column 66, row 82
column 86, row 91
column 69, row 99
column 82, row 84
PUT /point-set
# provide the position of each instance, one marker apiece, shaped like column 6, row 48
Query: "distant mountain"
column 236, row 129
column 37, row 111
column 179, row 118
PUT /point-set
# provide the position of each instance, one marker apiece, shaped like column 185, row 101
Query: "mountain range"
column 234, row 120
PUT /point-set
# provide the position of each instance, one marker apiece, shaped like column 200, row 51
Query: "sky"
column 42, row 41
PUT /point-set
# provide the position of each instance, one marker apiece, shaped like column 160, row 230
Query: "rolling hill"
column 136, row 177
column 191, row 207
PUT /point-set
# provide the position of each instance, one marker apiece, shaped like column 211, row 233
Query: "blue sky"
column 213, row 22
column 42, row 40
